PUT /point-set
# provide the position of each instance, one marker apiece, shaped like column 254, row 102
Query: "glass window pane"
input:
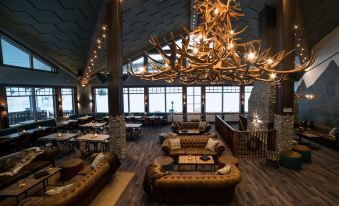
column 213, row 102
column 231, row 99
column 248, row 91
column 138, row 65
column 138, row 103
column 12, row 55
column 67, row 96
column 126, row 103
column 37, row 64
column 174, row 94
column 156, row 99
column 101, row 99
column 194, row 99
column 20, row 105
column 156, row 57
column 44, row 100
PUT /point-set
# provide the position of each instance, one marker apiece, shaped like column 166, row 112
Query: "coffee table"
column 188, row 132
column 308, row 135
column 187, row 160
column 24, row 185
column 210, row 162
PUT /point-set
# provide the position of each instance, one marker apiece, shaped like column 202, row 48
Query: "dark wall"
column 324, row 108
column 18, row 76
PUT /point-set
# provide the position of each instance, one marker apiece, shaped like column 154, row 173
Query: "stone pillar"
column 262, row 100
column 116, row 121
column 284, row 118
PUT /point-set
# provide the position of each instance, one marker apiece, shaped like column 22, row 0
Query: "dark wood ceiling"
column 62, row 30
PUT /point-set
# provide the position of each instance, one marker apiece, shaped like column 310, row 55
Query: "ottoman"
column 223, row 160
column 70, row 168
column 305, row 152
column 166, row 162
column 290, row 159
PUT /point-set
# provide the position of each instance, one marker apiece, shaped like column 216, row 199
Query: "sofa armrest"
column 220, row 148
column 174, row 128
column 166, row 147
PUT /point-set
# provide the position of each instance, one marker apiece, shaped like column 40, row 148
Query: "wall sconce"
column 3, row 108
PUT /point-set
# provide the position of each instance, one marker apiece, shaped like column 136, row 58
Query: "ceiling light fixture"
column 210, row 62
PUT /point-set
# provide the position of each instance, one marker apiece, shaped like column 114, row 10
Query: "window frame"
column 31, row 54
column 73, row 98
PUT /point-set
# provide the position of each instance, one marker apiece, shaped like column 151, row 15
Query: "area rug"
column 111, row 193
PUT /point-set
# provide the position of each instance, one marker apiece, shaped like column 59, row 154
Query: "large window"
column 138, row 65
column 101, row 99
column 248, row 91
column 45, row 104
column 174, row 95
column 12, row 55
column 213, row 99
column 231, row 99
column 134, row 100
column 67, row 96
column 38, row 64
column 156, row 57
column 194, row 99
column 156, row 99
column 20, row 103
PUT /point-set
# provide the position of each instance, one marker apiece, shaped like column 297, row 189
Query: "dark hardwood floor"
column 316, row 184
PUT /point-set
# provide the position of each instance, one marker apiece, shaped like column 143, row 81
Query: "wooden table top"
column 66, row 122
column 18, row 134
column 307, row 134
column 128, row 125
column 132, row 116
column 189, row 131
column 16, row 189
column 184, row 160
column 92, row 137
column 59, row 136
column 93, row 124
column 51, row 171
column 207, row 162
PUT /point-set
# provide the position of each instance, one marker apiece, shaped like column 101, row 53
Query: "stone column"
column 284, row 119
column 116, row 121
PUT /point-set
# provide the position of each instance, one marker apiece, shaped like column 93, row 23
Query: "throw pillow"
column 58, row 190
column 171, row 135
column 334, row 132
column 211, row 144
column 223, row 171
column 175, row 143
column 97, row 160
column 202, row 125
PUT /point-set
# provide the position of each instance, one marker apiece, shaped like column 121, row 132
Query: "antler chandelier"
column 213, row 52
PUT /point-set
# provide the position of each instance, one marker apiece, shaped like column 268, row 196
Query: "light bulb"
column 231, row 32
column 166, row 65
column 195, row 50
column 298, row 45
column 230, row 45
column 250, row 56
column 270, row 61
column 273, row 75
column 216, row 11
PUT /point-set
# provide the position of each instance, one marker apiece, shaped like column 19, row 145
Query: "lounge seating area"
column 169, row 102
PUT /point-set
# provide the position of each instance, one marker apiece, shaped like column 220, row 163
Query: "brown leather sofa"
column 41, row 161
column 176, row 126
column 87, row 184
column 190, row 187
column 323, row 132
column 193, row 145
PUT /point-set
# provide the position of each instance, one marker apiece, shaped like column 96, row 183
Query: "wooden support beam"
column 4, row 121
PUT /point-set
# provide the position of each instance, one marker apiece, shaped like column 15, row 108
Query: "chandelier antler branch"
column 214, row 53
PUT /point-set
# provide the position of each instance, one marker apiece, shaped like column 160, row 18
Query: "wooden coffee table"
column 308, row 135
column 187, row 160
column 24, row 185
column 207, row 162
column 188, row 132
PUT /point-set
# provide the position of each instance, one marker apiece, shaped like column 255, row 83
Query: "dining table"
column 67, row 122
column 59, row 136
column 84, row 117
column 94, row 137
column 94, row 124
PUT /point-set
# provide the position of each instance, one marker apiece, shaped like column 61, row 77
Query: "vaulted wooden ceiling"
column 62, row 30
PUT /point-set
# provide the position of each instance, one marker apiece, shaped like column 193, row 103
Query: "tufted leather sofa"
column 190, row 187
column 176, row 126
column 323, row 132
column 86, row 186
column 193, row 145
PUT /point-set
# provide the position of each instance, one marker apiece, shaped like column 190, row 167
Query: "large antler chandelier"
column 213, row 52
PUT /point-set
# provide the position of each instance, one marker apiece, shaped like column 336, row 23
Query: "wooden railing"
column 245, row 143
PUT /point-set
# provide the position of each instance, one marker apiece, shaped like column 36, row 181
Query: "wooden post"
column 4, row 121
column 114, row 67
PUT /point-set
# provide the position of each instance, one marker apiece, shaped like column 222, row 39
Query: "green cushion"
column 290, row 159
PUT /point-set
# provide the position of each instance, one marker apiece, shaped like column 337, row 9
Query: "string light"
column 99, row 40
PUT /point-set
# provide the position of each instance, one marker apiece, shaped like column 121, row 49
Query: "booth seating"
column 87, row 184
column 203, row 127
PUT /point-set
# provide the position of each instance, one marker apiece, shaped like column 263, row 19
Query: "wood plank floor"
column 316, row 184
